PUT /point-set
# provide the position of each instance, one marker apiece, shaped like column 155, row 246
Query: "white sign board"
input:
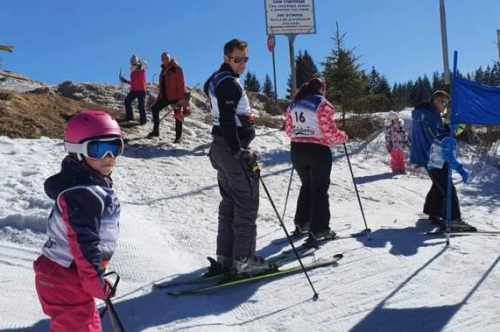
column 285, row 17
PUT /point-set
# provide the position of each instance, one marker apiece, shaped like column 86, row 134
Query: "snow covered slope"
column 401, row 280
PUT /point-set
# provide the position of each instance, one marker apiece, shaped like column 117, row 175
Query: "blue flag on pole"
column 474, row 103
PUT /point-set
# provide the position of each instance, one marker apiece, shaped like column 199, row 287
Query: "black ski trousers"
column 141, row 99
column 436, row 199
column 313, row 163
column 156, row 108
column 239, row 189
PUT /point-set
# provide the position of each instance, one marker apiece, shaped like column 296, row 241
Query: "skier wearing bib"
column 427, row 123
column 442, row 155
column 311, row 126
column 233, row 130
column 83, row 225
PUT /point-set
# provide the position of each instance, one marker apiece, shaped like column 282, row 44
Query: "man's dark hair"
column 235, row 44
column 440, row 94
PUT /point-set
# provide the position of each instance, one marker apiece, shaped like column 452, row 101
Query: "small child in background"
column 395, row 141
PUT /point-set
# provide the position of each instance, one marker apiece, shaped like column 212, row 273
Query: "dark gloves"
column 463, row 173
column 246, row 156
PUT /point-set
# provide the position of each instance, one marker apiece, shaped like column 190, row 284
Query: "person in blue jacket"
column 427, row 123
column 442, row 155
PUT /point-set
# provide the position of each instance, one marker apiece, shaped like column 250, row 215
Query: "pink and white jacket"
column 395, row 136
column 311, row 120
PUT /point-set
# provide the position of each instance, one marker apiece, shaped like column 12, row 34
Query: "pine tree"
column 373, row 81
column 305, row 69
column 251, row 83
column 343, row 75
column 421, row 91
column 383, row 88
column 437, row 81
column 479, row 75
column 268, row 88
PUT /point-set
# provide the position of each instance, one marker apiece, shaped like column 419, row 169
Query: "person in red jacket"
column 311, row 126
column 137, row 83
column 83, row 226
column 172, row 92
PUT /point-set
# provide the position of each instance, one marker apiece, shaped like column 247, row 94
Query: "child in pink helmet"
column 395, row 141
column 82, row 228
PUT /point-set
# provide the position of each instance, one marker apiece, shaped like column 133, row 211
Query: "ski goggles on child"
column 97, row 148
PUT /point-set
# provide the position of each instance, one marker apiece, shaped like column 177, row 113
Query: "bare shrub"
column 360, row 126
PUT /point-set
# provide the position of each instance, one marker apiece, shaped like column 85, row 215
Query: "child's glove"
column 108, row 288
column 464, row 174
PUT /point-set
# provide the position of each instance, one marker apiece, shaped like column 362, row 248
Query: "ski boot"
column 253, row 265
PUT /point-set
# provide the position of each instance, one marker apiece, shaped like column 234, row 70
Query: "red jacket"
column 172, row 84
column 138, row 80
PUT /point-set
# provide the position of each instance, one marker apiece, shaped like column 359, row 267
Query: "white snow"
column 19, row 85
column 402, row 280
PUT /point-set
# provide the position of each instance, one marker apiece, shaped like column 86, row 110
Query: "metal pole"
column 444, row 41
column 291, row 39
column 256, row 169
column 449, row 180
column 287, row 194
column 275, row 86
column 498, row 42
column 367, row 230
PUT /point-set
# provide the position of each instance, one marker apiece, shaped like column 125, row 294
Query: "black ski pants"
column 313, row 163
column 141, row 99
column 156, row 108
column 239, row 189
column 437, row 195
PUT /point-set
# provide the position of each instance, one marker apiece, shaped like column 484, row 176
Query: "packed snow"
column 401, row 280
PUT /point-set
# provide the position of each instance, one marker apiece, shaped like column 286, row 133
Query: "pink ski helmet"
column 91, row 124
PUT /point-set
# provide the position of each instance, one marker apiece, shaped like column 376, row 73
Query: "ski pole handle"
column 117, row 280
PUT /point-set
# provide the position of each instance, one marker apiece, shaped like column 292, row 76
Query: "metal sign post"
column 498, row 42
column 271, row 43
column 290, row 18
column 291, row 39
column 444, row 41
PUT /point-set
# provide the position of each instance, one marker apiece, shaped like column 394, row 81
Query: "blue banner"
column 474, row 103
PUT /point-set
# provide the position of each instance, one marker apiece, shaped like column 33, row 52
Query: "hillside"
column 32, row 109
column 400, row 280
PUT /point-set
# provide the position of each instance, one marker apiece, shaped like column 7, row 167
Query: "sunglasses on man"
column 97, row 148
column 239, row 59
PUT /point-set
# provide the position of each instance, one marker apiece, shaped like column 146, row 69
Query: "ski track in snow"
column 401, row 280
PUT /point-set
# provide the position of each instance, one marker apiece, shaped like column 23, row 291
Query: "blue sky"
column 88, row 41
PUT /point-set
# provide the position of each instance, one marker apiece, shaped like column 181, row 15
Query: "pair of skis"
column 221, row 281
column 438, row 232
column 320, row 241
column 278, row 260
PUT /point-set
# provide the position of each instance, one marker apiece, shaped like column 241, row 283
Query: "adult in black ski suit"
column 233, row 130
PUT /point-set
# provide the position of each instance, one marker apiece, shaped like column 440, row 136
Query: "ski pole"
column 256, row 169
column 113, row 315
column 287, row 194
column 367, row 230
column 170, row 109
